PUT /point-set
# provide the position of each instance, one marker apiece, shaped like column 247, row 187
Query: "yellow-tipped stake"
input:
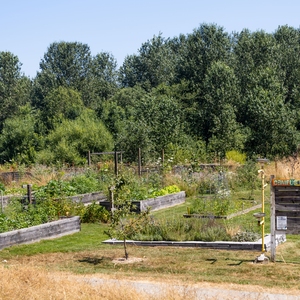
column 261, row 216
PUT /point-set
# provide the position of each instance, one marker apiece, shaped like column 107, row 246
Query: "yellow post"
column 262, row 161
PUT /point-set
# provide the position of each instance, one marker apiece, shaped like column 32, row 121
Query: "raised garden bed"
column 88, row 198
column 33, row 234
column 157, row 203
column 255, row 246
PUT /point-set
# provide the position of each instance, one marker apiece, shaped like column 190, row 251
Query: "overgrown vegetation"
column 212, row 193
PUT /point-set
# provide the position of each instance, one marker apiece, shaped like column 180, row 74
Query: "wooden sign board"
column 285, row 208
column 286, row 194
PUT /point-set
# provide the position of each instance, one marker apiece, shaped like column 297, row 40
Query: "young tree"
column 124, row 221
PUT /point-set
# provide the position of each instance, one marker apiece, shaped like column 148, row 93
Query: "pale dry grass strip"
column 30, row 283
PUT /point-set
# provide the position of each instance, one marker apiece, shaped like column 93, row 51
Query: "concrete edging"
column 40, row 232
column 221, row 245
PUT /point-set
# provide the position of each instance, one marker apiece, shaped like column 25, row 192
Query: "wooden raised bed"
column 40, row 232
column 157, row 203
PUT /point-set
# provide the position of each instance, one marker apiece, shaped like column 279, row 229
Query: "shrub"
column 95, row 213
column 236, row 156
column 246, row 236
column 85, row 184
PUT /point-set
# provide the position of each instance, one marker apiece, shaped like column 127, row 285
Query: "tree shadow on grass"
column 94, row 260
column 238, row 261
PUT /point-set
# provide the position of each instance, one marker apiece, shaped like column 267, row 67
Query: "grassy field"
column 84, row 253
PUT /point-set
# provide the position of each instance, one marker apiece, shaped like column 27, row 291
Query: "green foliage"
column 2, row 187
column 157, row 57
column 224, row 92
column 14, row 87
column 217, row 205
column 60, row 104
column 54, row 189
column 95, row 213
column 85, row 184
column 181, row 229
column 166, row 191
column 236, row 156
column 246, row 236
column 19, row 142
column 246, row 176
column 154, row 122
column 70, row 142
column 19, row 214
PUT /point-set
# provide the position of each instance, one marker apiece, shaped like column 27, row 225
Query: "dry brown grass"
column 174, row 266
column 286, row 168
column 23, row 282
column 28, row 282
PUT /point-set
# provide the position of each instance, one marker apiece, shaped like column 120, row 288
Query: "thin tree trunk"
column 125, row 249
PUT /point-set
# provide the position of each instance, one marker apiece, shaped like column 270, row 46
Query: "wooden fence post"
column 273, row 231
column 116, row 162
column 139, row 163
column 89, row 158
column 29, row 193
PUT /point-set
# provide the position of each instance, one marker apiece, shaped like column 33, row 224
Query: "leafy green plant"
column 165, row 191
column 85, row 184
column 94, row 213
column 55, row 188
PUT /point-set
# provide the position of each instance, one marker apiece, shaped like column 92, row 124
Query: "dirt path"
column 198, row 291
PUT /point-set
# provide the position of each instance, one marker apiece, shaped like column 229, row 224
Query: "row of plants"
column 180, row 229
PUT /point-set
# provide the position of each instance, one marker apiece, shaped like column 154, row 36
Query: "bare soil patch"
column 129, row 260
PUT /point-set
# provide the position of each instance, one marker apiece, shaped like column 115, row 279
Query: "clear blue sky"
column 120, row 27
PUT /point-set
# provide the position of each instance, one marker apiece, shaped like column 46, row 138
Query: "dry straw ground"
column 34, row 283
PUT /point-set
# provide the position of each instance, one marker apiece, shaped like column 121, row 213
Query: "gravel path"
column 203, row 292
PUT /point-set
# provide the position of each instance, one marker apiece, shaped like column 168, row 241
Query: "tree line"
column 197, row 96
